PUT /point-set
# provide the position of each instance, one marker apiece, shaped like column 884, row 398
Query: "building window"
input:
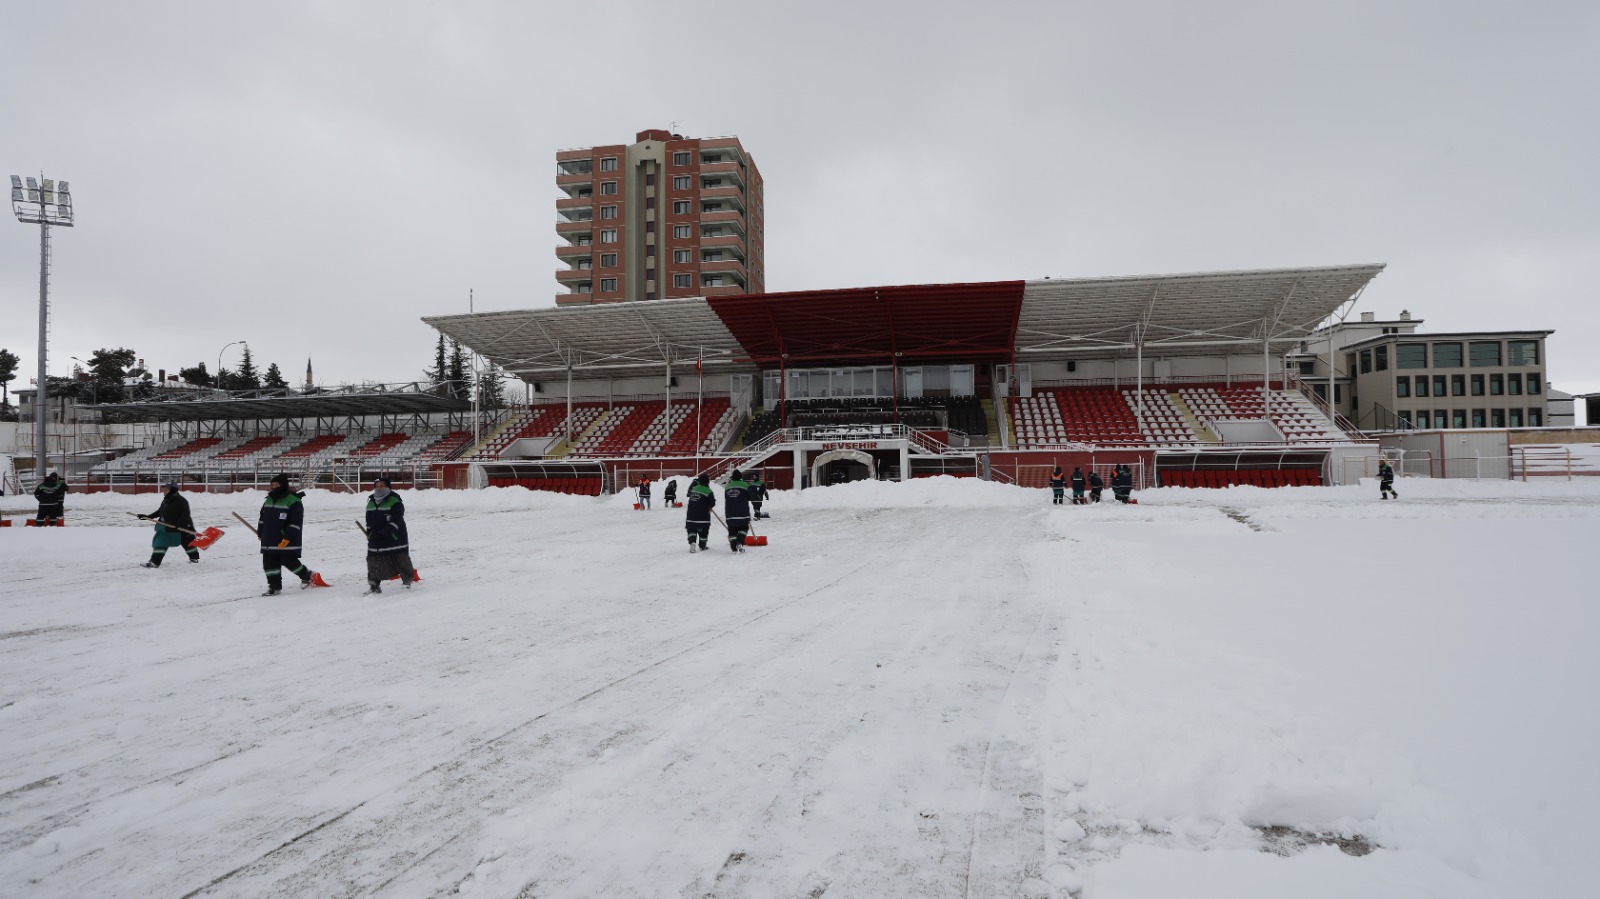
column 649, row 227
column 1411, row 355
column 716, row 231
column 1477, row 385
column 1458, row 418
column 681, row 182
column 1381, row 357
column 1438, row 385
column 1422, row 385
column 1439, row 419
column 1484, row 353
column 649, row 274
column 680, row 207
column 1516, row 418
column 584, row 241
column 1514, row 384
column 711, row 281
column 1402, row 386
column 1533, row 383
column 1366, row 361
column 1497, row 385
column 1447, row 355
column 710, row 183
column 680, row 256
column 710, row 207
column 608, row 164
column 1458, row 385
column 608, row 212
column 650, row 180
column 650, row 295
column 608, row 236
column 1402, row 419
column 607, row 285
column 608, row 188
column 680, row 232
column 713, row 256
column 682, row 280
column 649, row 202
column 681, row 159
column 1535, row 419
column 608, row 260
column 650, row 250
column 1497, row 418
column 1478, row 419
column 1522, row 352
column 1308, row 368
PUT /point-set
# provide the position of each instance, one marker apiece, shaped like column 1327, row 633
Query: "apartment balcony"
column 723, row 242
column 573, row 277
column 571, row 181
column 723, row 291
column 723, row 217
column 728, row 268
column 725, row 194
column 722, row 170
column 727, row 147
column 566, row 204
column 573, row 230
column 574, row 254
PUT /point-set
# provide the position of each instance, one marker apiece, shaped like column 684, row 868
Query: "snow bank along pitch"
column 944, row 688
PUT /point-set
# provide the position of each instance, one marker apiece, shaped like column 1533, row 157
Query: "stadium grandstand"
column 1181, row 377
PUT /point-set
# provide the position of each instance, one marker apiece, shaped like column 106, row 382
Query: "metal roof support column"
column 1266, row 378
column 569, row 403
column 894, row 363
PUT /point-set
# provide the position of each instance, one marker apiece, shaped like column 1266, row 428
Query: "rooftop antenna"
column 49, row 205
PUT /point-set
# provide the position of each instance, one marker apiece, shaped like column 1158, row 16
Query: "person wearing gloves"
column 671, row 494
column 280, row 529
column 1058, row 487
column 388, row 546
column 174, row 527
column 736, row 509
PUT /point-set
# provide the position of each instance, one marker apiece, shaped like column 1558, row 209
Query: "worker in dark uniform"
column 736, row 510
column 1095, row 486
column 1078, row 485
column 758, row 495
column 697, row 518
column 1386, row 480
column 1058, row 487
column 52, row 496
column 174, row 527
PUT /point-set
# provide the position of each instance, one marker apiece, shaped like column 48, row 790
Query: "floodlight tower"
column 51, row 205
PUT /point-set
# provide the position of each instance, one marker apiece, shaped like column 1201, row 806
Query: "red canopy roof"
column 915, row 323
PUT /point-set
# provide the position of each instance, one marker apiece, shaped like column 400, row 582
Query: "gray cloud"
column 315, row 177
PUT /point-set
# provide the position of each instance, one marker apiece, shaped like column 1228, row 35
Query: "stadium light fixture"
column 44, row 206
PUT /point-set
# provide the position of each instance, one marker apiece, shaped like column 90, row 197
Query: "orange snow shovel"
column 750, row 539
column 202, row 540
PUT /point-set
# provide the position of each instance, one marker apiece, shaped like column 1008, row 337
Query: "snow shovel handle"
column 720, row 521
column 363, row 529
column 246, row 524
column 163, row 523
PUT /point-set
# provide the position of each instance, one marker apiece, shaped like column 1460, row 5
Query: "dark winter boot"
column 374, row 587
column 150, row 564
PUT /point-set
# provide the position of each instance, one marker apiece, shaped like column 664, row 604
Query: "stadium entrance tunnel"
column 841, row 466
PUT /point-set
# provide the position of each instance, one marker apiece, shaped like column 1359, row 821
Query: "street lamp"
column 219, row 360
column 51, row 205
column 94, row 384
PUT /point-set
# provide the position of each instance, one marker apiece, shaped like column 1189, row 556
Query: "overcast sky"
column 316, row 176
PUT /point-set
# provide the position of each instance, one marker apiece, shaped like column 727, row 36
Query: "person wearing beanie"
column 388, row 545
column 174, row 527
column 758, row 495
column 1058, row 487
column 1079, row 484
column 736, row 509
column 281, row 526
column 700, row 502
column 52, row 496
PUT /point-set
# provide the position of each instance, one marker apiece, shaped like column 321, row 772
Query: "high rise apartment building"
column 665, row 216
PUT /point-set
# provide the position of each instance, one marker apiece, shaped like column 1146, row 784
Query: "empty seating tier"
column 188, row 449
column 251, row 447
column 1241, row 477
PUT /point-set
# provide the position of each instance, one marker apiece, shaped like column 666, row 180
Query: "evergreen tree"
column 436, row 375
column 198, row 376
column 247, row 378
column 273, row 379
column 107, row 371
column 459, row 386
column 8, row 373
column 491, row 392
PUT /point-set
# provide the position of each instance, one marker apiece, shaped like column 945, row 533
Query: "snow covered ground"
column 945, row 688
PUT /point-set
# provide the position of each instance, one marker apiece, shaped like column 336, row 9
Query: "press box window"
column 1485, row 354
column 1522, row 352
column 1447, row 355
column 1411, row 355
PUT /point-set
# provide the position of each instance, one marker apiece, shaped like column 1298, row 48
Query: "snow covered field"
column 945, row 688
